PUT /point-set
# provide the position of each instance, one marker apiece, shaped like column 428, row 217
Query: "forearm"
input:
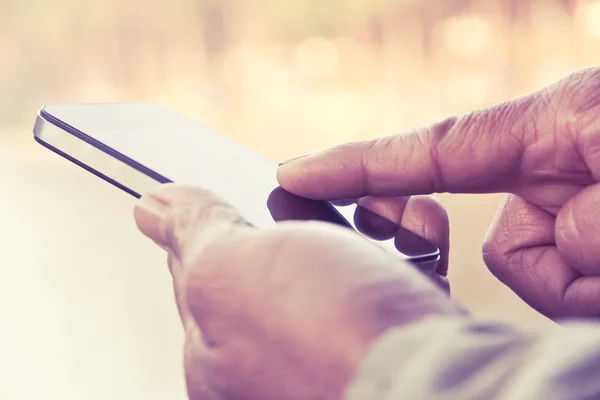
column 464, row 359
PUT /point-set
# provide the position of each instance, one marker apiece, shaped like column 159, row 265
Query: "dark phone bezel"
column 102, row 147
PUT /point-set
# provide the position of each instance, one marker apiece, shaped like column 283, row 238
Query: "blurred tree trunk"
column 432, row 12
column 427, row 22
column 214, row 33
column 215, row 39
column 518, row 12
column 132, row 44
column 376, row 29
column 518, row 19
column 569, row 6
column 213, row 21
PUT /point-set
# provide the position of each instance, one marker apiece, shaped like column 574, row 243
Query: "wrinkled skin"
column 543, row 149
column 288, row 312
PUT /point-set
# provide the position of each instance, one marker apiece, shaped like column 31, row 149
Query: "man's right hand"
column 543, row 149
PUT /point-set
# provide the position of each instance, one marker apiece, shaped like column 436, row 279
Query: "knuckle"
column 514, row 232
column 502, row 128
column 196, row 216
column 177, row 225
column 384, row 143
column 215, row 251
column 418, row 146
column 582, row 88
column 227, row 258
column 501, row 262
column 581, row 116
column 577, row 231
column 431, row 138
column 578, row 101
column 378, row 157
column 590, row 146
column 377, row 149
column 212, row 273
column 511, row 123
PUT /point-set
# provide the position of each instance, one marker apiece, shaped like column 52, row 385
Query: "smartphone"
column 138, row 146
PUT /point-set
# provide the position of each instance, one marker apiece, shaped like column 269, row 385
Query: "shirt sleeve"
column 466, row 359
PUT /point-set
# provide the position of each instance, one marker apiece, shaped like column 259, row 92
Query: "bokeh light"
column 317, row 58
column 468, row 36
column 591, row 17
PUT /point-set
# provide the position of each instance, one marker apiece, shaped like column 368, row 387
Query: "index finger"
column 475, row 153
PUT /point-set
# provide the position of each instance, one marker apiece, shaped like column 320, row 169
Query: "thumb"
column 459, row 154
column 175, row 216
column 179, row 218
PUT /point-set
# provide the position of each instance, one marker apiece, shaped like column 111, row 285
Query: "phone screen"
column 170, row 147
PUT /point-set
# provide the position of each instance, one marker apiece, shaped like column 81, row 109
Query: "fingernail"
column 150, row 212
column 289, row 160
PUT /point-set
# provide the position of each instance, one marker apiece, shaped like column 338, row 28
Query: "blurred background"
column 85, row 303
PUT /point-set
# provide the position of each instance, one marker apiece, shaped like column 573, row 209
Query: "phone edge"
column 44, row 117
column 40, row 126
column 49, row 118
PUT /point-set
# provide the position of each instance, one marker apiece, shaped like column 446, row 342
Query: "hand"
column 286, row 312
column 543, row 149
